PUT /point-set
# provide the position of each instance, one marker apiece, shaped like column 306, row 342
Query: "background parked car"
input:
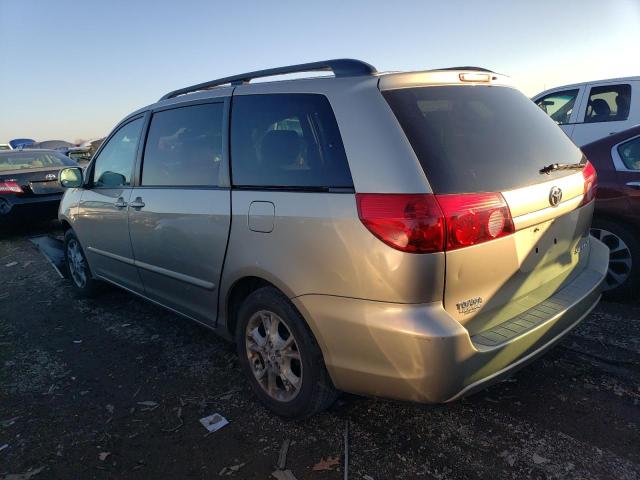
column 21, row 142
column 617, row 214
column 592, row 110
column 29, row 188
column 5, row 146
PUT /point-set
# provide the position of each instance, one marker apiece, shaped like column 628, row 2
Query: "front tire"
column 77, row 266
column 280, row 356
column 623, row 276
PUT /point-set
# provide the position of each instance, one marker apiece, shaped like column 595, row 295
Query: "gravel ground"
column 114, row 388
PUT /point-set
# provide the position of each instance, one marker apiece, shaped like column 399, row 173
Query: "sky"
column 71, row 70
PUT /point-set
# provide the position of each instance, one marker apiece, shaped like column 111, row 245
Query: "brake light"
column 411, row 223
column 434, row 223
column 590, row 183
column 10, row 186
column 474, row 218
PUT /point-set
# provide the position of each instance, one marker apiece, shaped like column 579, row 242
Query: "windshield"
column 480, row 138
column 18, row 160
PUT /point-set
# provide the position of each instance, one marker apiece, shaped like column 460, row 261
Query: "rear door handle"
column 120, row 203
column 137, row 203
column 635, row 185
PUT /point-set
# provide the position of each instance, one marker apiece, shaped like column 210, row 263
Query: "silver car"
column 407, row 235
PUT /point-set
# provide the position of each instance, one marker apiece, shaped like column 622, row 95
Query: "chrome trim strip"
column 159, row 270
column 113, row 256
column 175, row 275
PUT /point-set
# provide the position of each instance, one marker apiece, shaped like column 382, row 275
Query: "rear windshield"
column 480, row 138
column 18, row 160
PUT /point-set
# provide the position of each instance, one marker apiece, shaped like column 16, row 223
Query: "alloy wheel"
column 76, row 262
column 273, row 355
column 620, row 260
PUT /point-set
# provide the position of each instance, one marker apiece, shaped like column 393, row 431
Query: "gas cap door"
column 261, row 216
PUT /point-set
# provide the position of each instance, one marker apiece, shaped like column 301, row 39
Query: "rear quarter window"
column 287, row 141
column 480, row 138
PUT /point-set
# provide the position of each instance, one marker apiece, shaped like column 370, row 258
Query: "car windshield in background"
column 478, row 138
column 18, row 160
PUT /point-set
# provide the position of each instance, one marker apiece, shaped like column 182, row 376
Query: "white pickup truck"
column 592, row 110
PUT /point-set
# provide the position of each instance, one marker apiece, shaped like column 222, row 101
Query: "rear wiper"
column 562, row 166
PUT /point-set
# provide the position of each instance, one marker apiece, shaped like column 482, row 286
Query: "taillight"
column 474, row 218
column 411, row 223
column 10, row 187
column 434, row 223
column 590, row 183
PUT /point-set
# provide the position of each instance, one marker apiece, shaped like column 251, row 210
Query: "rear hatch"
column 514, row 235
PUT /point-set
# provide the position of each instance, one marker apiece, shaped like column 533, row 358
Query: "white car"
column 592, row 110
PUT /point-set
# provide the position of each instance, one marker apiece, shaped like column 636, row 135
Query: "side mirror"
column 71, row 177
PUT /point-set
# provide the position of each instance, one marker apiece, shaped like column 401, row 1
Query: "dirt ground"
column 114, row 388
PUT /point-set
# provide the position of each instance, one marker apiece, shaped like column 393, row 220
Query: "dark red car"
column 617, row 215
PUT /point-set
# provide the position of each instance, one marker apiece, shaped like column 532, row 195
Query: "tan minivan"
column 406, row 235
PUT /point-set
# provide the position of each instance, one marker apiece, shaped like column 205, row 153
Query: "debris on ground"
column 2, row 447
column 231, row 470
column 283, row 475
column 282, row 458
column 23, row 476
column 11, row 264
column 179, row 425
column 329, row 463
column 151, row 405
column 346, row 449
column 103, row 456
column 214, row 422
column 538, row 460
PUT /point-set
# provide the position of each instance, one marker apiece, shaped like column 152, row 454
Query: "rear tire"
column 280, row 356
column 78, row 268
column 623, row 276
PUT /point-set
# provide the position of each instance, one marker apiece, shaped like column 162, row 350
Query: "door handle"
column 635, row 185
column 137, row 203
column 120, row 203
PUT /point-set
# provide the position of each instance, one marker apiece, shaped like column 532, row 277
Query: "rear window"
column 480, row 138
column 286, row 141
column 12, row 160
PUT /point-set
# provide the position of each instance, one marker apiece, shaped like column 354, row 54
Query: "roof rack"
column 341, row 67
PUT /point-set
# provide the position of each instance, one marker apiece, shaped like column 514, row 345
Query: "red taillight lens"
column 474, row 218
column 590, row 183
column 411, row 223
column 10, row 187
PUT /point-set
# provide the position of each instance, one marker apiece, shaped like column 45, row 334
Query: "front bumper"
column 14, row 208
column 419, row 353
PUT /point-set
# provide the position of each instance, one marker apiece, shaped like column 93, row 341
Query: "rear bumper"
column 419, row 353
column 14, row 208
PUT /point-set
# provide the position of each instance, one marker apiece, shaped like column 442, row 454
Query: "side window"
column 630, row 154
column 559, row 105
column 608, row 103
column 184, row 147
column 286, row 140
column 113, row 166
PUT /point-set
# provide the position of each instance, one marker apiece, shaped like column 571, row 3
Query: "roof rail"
column 476, row 69
column 341, row 67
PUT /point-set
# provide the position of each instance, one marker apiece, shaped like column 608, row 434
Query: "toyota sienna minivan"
column 414, row 236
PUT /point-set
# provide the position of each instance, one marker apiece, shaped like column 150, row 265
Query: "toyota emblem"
column 51, row 176
column 555, row 196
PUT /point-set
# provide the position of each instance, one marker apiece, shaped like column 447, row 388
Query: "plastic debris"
column 103, row 456
column 214, row 422
column 2, row 447
column 283, row 475
column 11, row 264
column 329, row 463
